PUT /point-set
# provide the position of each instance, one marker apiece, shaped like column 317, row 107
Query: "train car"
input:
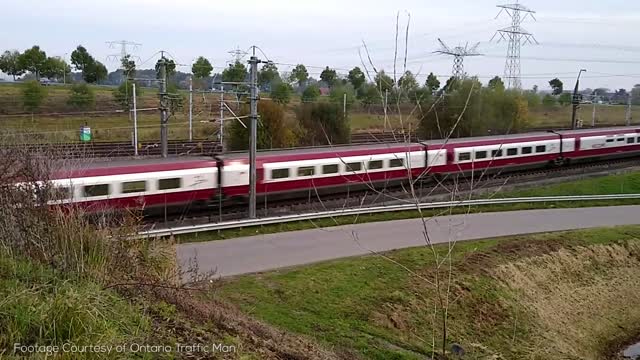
column 292, row 173
column 147, row 183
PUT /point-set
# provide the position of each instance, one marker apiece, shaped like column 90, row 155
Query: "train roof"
column 102, row 167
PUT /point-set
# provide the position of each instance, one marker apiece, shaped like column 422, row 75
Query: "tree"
column 535, row 89
column 557, row 86
column 94, row 72
column 357, row 78
column 170, row 67
column 281, row 93
column 10, row 63
column 81, row 59
column 201, row 68
column 369, row 94
column 549, row 101
column 337, row 95
column 496, row 84
column 33, row 60
column 299, row 75
column 236, row 72
column 33, row 94
column 635, row 95
column 383, row 82
column 123, row 95
column 432, row 83
column 322, row 123
column 533, row 99
column 329, row 76
column 408, row 83
column 128, row 66
column 81, row 96
column 268, row 75
column 311, row 93
column 272, row 131
column 564, row 99
column 55, row 68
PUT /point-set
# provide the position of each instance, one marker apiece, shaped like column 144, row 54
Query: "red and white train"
column 288, row 173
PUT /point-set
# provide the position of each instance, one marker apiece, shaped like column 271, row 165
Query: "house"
column 324, row 91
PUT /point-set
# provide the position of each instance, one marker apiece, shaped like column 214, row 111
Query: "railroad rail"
column 372, row 210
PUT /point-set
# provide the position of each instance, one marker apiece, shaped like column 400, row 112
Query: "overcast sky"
column 600, row 36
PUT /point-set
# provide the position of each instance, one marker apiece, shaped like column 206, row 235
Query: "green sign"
column 85, row 133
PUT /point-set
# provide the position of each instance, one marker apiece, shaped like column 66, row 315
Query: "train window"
column 279, row 173
column 96, row 190
column 541, row 148
column 167, row 184
column 496, row 153
column 512, row 152
column 620, row 139
column 638, row 140
column 631, row 140
column 395, row 163
column 375, row 165
column 481, row 155
column 465, row 156
column 134, row 186
column 527, row 150
column 355, row 166
column 306, row 171
column 610, row 140
column 330, row 169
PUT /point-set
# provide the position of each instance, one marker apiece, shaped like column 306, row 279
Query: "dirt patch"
column 259, row 338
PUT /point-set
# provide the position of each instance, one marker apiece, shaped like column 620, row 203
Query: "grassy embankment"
column 106, row 126
column 565, row 295
column 66, row 282
column 628, row 183
column 113, row 127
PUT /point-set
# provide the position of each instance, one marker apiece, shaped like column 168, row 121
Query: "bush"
column 81, row 96
column 33, row 94
column 323, row 124
column 311, row 93
column 490, row 111
column 337, row 95
column 123, row 95
column 273, row 131
column 281, row 93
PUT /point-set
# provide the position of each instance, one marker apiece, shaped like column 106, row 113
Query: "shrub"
column 81, row 96
column 33, row 94
column 322, row 124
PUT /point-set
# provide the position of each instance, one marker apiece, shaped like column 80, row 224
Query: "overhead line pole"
column 135, row 122
column 164, row 115
column 190, row 108
column 628, row 115
column 253, row 129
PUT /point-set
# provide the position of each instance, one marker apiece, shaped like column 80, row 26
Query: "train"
column 281, row 174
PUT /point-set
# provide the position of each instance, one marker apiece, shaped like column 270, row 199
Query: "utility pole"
column 576, row 101
column 221, row 130
column 253, row 75
column 190, row 108
column 628, row 115
column 164, row 113
column 135, row 122
column 344, row 105
column 593, row 115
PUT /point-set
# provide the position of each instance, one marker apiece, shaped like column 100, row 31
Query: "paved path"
column 266, row 252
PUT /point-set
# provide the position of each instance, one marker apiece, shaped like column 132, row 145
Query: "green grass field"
column 547, row 296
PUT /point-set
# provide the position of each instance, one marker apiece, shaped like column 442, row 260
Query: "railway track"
column 434, row 190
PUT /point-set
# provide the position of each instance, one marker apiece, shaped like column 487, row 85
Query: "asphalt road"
column 273, row 251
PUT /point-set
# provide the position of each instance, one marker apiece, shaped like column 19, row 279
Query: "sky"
column 599, row 36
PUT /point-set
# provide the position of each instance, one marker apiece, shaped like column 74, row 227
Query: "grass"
column 545, row 296
column 614, row 184
column 41, row 307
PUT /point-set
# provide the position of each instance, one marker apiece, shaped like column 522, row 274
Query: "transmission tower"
column 238, row 54
column 123, row 49
column 458, row 53
column 517, row 36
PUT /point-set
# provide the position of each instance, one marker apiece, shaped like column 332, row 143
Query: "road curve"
column 273, row 251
